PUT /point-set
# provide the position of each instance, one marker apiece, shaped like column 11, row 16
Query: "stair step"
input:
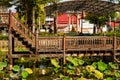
column 26, row 43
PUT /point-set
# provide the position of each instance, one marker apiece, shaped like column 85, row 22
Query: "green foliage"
column 14, row 76
column 3, row 64
column 3, row 37
column 112, row 65
column 117, row 74
column 102, row 66
column 2, row 55
column 109, row 78
column 24, row 74
column 99, row 19
column 29, row 70
column 55, row 63
column 90, row 69
column 16, row 68
column 98, row 74
column 108, row 72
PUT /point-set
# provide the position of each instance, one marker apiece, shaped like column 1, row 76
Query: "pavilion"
column 79, row 7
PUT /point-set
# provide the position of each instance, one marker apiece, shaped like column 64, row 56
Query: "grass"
column 3, row 37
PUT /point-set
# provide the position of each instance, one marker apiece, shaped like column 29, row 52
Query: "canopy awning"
column 77, row 6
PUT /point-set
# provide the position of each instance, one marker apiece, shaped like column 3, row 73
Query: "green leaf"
column 70, row 66
column 55, row 63
column 61, row 75
column 69, row 58
column 102, row 66
column 56, row 70
column 75, row 62
column 94, row 64
column 3, row 64
column 13, row 75
column 71, row 72
column 16, row 68
column 90, row 68
column 66, row 78
column 108, row 72
column 1, row 68
column 109, row 78
column 112, row 65
column 81, row 62
column 24, row 74
column 29, row 70
column 117, row 74
column 98, row 74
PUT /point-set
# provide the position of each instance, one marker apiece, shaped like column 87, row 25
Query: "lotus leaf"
column 108, row 72
column 24, row 74
column 98, row 74
column 29, row 70
column 102, row 66
column 117, row 74
column 81, row 62
column 109, row 78
column 55, row 63
column 3, row 64
column 94, row 64
column 75, row 62
column 12, row 75
column 69, row 58
column 112, row 65
column 1, row 68
column 16, row 68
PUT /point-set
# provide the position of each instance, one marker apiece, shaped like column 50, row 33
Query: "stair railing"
column 22, row 30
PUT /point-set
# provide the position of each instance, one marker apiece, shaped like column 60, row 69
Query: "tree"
column 99, row 20
column 25, row 9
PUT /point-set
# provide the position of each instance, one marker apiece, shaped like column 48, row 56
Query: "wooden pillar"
column 114, row 46
column 77, row 24
column 64, row 52
column 10, row 45
column 36, row 37
column 69, row 22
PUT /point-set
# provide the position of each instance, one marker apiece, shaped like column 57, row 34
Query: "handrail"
column 77, row 42
column 23, row 30
column 4, row 18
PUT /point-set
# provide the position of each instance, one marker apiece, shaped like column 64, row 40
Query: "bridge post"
column 10, row 42
column 114, row 45
column 64, row 60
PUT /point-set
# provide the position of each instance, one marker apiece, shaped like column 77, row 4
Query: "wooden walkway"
column 60, row 46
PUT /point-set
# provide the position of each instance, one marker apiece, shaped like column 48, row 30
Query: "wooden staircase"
column 57, row 46
column 22, row 33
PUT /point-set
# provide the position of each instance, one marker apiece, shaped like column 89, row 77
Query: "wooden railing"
column 4, row 19
column 17, row 46
column 10, row 20
column 77, row 43
column 22, row 29
column 50, row 43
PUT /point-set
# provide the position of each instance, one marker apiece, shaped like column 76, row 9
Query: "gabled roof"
column 90, row 6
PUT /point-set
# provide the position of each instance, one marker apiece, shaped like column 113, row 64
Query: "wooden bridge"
column 60, row 46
